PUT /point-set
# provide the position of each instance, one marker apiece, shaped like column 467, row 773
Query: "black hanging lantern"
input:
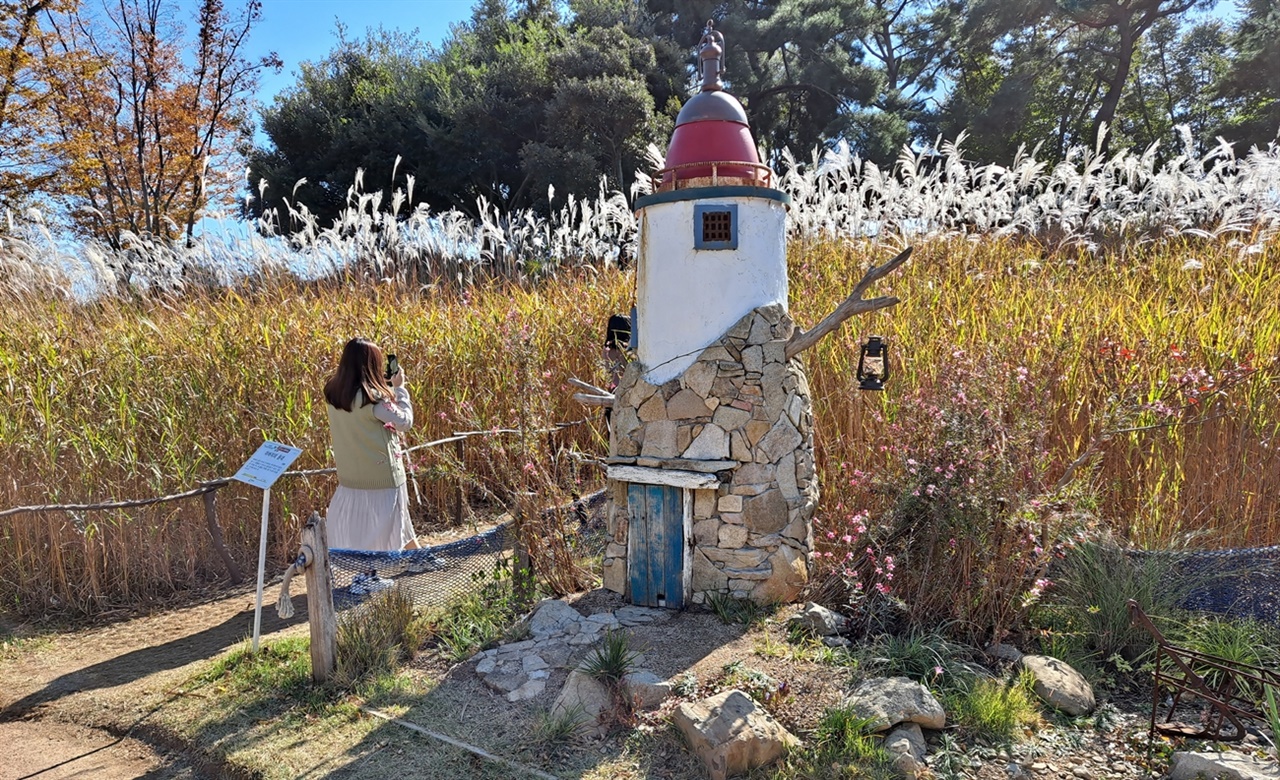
column 873, row 364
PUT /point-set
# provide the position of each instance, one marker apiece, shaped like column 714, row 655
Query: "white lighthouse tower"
column 711, row 455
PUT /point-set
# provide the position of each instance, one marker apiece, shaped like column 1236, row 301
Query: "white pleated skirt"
column 370, row 519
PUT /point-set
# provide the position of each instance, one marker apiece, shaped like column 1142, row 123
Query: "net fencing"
column 437, row 575
column 1240, row 583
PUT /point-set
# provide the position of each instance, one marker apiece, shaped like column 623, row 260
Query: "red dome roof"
column 712, row 129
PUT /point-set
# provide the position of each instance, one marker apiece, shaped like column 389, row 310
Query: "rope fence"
column 209, row 488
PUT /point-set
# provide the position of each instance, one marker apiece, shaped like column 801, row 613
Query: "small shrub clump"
column 375, row 637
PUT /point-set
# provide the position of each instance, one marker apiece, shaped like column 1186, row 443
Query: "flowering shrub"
column 966, row 534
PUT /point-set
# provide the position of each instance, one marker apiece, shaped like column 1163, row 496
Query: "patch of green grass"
column 279, row 670
column 996, row 711
column 466, row 626
column 928, row 658
column 13, row 644
column 1089, row 599
column 842, row 746
column 1236, row 641
column 804, row 646
column 732, row 610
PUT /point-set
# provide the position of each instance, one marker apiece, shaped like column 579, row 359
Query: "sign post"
column 262, row 469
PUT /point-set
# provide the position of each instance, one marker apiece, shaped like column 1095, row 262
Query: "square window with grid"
column 717, row 227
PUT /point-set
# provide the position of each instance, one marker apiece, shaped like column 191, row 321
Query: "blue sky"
column 305, row 30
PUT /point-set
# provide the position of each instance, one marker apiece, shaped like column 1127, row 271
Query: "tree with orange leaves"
column 25, row 163
column 137, row 125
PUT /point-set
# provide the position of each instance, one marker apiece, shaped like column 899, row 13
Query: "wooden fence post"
column 320, row 612
column 215, row 531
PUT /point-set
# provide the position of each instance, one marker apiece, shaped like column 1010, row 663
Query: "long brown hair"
column 362, row 367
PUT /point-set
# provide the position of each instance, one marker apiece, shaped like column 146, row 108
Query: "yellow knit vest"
column 367, row 453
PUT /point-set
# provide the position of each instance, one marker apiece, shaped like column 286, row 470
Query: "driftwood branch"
column 853, row 305
column 595, row 396
column 590, row 388
column 593, row 400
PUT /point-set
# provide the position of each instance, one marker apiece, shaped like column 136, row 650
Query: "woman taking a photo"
column 367, row 410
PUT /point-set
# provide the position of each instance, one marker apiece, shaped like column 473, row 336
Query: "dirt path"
column 72, row 705
column 51, row 750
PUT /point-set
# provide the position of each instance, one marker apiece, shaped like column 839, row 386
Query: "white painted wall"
column 687, row 298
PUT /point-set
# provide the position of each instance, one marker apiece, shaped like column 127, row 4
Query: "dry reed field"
column 1138, row 301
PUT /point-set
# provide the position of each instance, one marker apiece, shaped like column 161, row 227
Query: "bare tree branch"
column 853, row 305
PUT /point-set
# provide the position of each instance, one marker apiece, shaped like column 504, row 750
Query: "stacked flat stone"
column 741, row 411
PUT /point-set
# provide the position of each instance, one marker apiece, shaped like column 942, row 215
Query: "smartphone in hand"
column 393, row 366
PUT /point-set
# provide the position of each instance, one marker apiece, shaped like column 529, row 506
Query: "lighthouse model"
column 711, row 464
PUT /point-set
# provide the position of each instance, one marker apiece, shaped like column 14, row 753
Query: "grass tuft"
column 732, row 610
column 612, row 660
column 374, row 637
column 994, row 711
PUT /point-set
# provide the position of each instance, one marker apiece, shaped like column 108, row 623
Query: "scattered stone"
column 528, row 690
column 552, row 616
column 732, row 734
column 837, row 641
column 1016, row 771
column 584, row 695
column 893, row 700
column 1229, row 765
column 906, row 746
column 634, row 616
column 820, row 621
column 1059, row 685
column 646, row 689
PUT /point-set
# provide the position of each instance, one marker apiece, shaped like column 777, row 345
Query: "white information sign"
column 262, row 469
column 266, row 465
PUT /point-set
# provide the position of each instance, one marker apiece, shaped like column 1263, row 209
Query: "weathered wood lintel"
column 670, row 477
column 683, row 464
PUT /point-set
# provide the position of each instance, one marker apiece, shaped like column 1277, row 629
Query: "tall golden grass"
column 134, row 398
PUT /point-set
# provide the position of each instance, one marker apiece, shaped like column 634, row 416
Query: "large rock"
column 646, row 689
column 906, row 746
column 711, row 444
column 889, row 701
column 732, row 734
column 789, row 573
column 1059, row 685
column 585, row 698
column 1229, row 765
column 766, row 514
column 552, row 617
column 820, row 621
column 615, row 575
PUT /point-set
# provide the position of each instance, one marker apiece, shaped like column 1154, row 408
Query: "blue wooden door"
column 657, row 545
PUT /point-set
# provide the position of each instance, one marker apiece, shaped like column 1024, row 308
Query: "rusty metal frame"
column 761, row 175
column 1229, row 703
